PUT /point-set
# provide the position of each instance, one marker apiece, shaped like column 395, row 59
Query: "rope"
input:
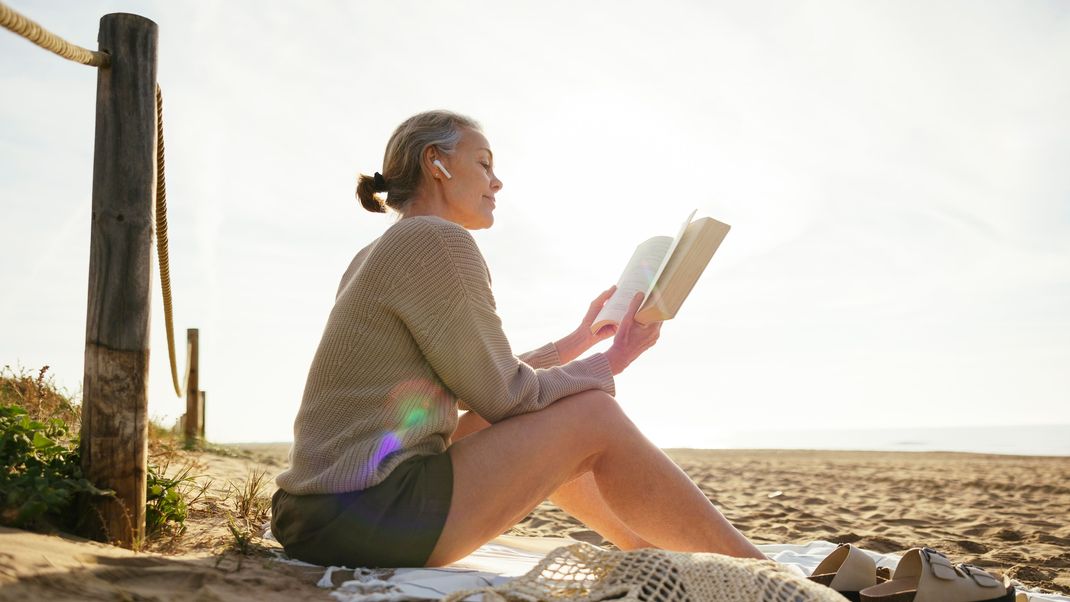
column 33, row 32
column 161, row 242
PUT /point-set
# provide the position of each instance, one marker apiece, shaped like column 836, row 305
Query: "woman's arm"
column 446, row 302
column 577, row 342
column 546, row 356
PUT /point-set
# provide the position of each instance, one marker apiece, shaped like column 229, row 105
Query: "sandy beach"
column 1004, row 513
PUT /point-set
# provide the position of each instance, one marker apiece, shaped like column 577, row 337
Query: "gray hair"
column 402, row 162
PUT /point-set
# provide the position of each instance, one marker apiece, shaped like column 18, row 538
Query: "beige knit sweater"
column 414, row 328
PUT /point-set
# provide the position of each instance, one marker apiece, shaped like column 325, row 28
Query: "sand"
column 1005, row 513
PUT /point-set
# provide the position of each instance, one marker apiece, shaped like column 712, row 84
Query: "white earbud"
column 444, row 170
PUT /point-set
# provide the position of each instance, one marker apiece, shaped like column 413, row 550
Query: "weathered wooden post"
column 200, row 416
column 193, row 425
column 115, row 390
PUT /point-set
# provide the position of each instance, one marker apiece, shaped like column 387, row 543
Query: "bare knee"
column 600, row 398
column 593, row 407
column 597, row 417
column 586, row 424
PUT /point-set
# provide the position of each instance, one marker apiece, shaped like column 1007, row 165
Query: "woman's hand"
column 632, row 338
column 580, row 340
column 596, row 306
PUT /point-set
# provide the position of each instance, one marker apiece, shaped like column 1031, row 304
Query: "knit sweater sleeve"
column 543, row 357
column 449, row 309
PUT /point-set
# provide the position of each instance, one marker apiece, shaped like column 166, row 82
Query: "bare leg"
column 503, row 471
column 469, row 423
column 579, row 497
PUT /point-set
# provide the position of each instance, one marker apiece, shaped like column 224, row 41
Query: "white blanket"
column 508, row 556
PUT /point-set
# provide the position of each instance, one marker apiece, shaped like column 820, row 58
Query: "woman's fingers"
column 629, row 316
column 606, row 331
column 637, row 300
column 634, row 305
column 601, row 299
column 632, row 338
column 597, row 304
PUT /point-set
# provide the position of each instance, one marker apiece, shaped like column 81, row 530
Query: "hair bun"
column 379, row 182
column 367, row 192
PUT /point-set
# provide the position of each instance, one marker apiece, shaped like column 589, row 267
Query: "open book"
column 665, row 269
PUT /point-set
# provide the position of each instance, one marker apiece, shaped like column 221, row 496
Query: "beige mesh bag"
column 583, row 572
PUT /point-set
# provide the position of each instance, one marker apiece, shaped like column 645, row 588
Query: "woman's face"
column 470, row 192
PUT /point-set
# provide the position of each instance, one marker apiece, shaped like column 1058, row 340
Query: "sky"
column 895, row 175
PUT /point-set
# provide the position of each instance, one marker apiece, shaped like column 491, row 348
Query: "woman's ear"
column 433, row 164
column 431, row 155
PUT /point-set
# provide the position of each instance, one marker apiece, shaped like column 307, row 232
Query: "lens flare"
column 389, row 444
column 410, row 405
column 649, row 268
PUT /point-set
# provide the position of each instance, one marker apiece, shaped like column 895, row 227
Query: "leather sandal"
column 848, row 570
column 925, row 575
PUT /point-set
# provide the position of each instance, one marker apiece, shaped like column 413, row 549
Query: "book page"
column 639, row 274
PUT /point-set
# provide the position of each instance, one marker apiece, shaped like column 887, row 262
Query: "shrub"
column 40, row 464
column 39, row 396
column 163, row 502
column 41, row 472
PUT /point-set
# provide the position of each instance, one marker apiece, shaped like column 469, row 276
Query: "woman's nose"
column 496, row 184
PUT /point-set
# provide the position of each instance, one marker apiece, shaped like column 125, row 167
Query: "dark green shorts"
column 393, row 524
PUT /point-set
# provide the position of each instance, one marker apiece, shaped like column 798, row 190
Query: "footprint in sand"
column 881, row 544
column 1008, row 535
column 973, row 547
column 1031, row 573
column 1060, row 561
column 1059, row 541
column 1042, row 523
column 909, row 522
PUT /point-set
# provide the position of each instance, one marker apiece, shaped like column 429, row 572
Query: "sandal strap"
column 942, row 568
column 980, row 576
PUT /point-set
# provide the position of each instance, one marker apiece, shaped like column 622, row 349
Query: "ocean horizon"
column 1020, row 440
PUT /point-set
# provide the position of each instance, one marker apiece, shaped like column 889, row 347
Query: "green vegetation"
column 38, row 395
column 41, row 477
column 42, row 485
column 251, row 509
column 164, row 503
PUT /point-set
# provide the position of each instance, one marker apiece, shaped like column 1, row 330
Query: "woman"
column 383, row 470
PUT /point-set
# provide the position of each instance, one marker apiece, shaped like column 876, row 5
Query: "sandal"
column 848, row 570
column 925, row 575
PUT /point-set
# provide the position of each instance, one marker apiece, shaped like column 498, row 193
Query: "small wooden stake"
column 194, row 427
column 200, row 415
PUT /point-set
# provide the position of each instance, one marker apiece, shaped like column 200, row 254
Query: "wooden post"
column 115, row 390
column 200, row 414
column 193, row 425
